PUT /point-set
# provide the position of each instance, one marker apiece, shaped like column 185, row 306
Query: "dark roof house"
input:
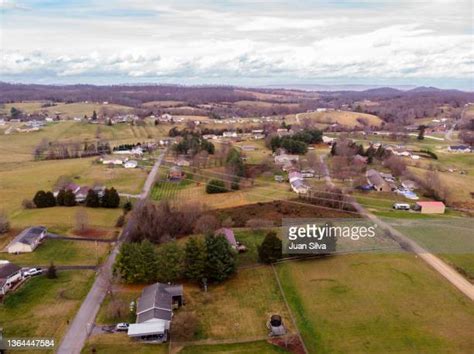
column 10, row 274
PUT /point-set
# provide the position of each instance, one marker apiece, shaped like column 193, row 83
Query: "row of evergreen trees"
column 110, row 199
column 212, row 259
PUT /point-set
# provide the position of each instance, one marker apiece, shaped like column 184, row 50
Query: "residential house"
column 299, row 187
column 10, row 274
column 81, row 194
column 111, row 161
column 459, row 148
column 131, row 164
column 228, row 233
column 430, row 207
column 409, row 184
column 375, row 179
column 284, row 159
column 27, row 240
column 229, row 134
column 175, row 173
column 155, row 311
column 68, row 187
column 328, row 140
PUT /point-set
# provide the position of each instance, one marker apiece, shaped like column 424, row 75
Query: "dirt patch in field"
column 291, row 343
column 276, row 211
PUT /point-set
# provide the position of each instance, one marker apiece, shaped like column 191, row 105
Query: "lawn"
column 340, row 117
column 116, row 343
column 451, row 239
column 42, row 307
column 64, row 218
column 259, row 192
column 238, row 308
column 61, row 252
column 376, row 303
column 261, row 347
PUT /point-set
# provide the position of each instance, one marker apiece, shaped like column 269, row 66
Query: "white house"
column 155, row 310
column 229, row 135
column 10, row 274
column 130, row 164
column 27, row 240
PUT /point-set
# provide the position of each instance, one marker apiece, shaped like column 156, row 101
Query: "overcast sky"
column 242, row 42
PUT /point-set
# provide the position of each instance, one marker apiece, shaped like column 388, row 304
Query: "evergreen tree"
column 111, row 198
column 333, row 149
column 195, row 259
column 69, row 198
column 220, row 258
column 170, row 262
column 136, row 262
column 40, row 199
column 270, row 250
column 92, row 199
column 94, row 115
column 127, row 207
column 60, row 197
column 50, row 200
column 51, row 272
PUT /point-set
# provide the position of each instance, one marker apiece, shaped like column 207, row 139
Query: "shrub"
column 120, row 221
column 28, row 204
column 51, row 272
column 215, row 186
column 4, row 223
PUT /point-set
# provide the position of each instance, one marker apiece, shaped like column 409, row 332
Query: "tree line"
column 66, row 197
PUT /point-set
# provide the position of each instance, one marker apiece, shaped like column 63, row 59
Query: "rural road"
column 83, row 322
column 449, row 133
column 408, row 244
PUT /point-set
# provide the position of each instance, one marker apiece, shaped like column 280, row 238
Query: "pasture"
column 42, row 307
column 238, row 308
column 61, row 252
column 76, row 109
column 350, row 119
column 376, row 303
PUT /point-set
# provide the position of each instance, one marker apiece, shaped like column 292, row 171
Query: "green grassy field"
column 260, row 347
column 61, row 252
column 340, row 117
column 115, row 343
column 376, row 303
column 451, row 239
column 77, row 109
column 42, row 306
column 238, row 308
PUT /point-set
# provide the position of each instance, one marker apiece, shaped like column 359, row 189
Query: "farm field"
column 77, row 109
column 61, row 252
column 451, row 239
column 377, row 303
column 238, row 308
column 341, row 117
column 195, row 191
column 41, row 302
column 17, row 147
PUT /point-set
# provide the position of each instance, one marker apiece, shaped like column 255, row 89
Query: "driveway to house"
column 83, row 322
column 408, row 244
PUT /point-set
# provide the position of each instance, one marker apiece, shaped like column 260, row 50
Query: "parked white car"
column 33, row 271
column 401, row 206
column 122, row 326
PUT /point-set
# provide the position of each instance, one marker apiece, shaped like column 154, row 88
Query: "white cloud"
column 146, row 40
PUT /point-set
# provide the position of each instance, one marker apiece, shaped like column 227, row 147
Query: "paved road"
column 408, row 244
column 83, row 323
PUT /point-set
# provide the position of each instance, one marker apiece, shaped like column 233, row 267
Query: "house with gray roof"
column 377, row 182
column 27, row 240
column 155, row 311
column 10, row 274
